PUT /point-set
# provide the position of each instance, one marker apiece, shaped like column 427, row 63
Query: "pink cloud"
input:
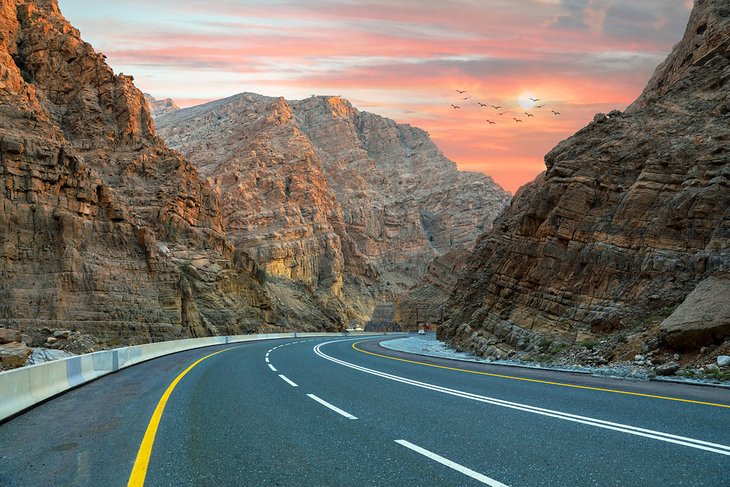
column 402, row 59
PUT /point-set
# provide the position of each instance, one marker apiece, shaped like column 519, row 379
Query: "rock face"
column 404, row 203
column 160, row 107
column 340, row 208
column 632, row 213
column 426, row 301
column 103, row 229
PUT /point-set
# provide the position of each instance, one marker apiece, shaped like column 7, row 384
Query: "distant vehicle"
column 421, row 331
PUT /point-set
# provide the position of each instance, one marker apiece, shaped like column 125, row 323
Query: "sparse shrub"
column 622, row 338
column 719, row 374
column 589, row 344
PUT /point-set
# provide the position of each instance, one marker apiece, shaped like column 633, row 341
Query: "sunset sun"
column 525, row 99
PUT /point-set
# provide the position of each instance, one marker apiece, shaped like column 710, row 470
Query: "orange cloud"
column 403, row 59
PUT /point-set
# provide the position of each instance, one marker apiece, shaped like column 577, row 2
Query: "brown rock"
column 667, row 369
column 703, row 318
column 8, row 336
column 14, row 355
column 630, row 207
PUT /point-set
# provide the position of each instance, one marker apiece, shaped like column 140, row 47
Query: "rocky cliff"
column 340, row 208
column 103, row 229
column 631, row 215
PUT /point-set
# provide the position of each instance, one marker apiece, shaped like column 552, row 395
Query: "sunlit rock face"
column 341, row 208
column 632, row 213
column 160, row 107
column 103, row 229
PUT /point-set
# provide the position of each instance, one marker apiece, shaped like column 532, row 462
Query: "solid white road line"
column 272, row 368
column 599, row 423
column 445, row 461
column 333, row 408
column 287, row 380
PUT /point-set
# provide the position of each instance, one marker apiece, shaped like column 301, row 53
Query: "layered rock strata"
column 103, row 229
column 631, row 215
column 426, row 301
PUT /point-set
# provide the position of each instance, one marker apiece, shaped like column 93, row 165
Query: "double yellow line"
column 525, row 379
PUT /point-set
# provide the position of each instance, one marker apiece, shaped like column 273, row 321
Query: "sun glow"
column 525, row 100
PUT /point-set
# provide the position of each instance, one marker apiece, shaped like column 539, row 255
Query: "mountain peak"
column 159, row 107
column 349, row 204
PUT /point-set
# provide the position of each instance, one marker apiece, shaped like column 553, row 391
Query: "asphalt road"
column 322, row 412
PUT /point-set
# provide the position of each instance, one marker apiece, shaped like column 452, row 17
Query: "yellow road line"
column 562, row 384
column 139, row 471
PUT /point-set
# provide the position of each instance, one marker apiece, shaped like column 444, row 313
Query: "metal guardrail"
column 25, row 387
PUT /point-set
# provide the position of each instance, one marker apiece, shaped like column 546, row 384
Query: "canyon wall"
column 103, row 229
column 631, row 216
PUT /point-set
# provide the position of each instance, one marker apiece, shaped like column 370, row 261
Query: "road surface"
column 345, row 412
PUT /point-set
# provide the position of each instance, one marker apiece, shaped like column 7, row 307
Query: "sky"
column 403, row 59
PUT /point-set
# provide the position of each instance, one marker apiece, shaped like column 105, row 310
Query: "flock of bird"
column 497, row 108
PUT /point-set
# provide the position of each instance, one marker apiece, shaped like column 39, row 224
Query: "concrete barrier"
column 25, row 387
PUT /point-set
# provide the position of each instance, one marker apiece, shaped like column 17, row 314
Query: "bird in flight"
column 517, row 120
column 529, row 114
column 534, row 99
column 466, row 98
column 555, row 113
column 455, row 106
column 496, row 107
column 461, row 92
column 502, row 113
column 483, row 104
column 490, row 122
column 539, row 106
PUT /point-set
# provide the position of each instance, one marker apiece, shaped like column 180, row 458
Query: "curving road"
column 347, row 413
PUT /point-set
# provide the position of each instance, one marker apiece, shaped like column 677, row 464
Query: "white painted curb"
column 24, row 387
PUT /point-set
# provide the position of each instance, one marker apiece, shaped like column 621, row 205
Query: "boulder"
column 9, row 336
column 667, row 369
column 702, row 319
column 723, row 361
column 14, row 355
